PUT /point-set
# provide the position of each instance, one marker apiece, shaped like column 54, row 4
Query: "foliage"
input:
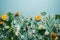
column 17, row 27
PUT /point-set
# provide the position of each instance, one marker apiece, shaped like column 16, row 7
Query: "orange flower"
column 4, row 17
column 53, row 34
column 38, row 18
column 1, row 23
column 17, row 14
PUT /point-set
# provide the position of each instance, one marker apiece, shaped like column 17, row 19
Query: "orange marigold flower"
column 1, row 23
column 4, row 17
column 53, row 34
column 38, row 18
column 17, row 14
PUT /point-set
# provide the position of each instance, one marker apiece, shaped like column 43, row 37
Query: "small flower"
column 46, row 33
column 22, row 37
column 33, row 31
column 53, row 34
column 4, row 17
column 1, row 22
column 17, row 14
column 41, row 27
column 14, row 21
column 6, row 27
column 38, row 18
column 2, row 36
column 24, row 29
column 31, row 26
column 17, row 27
column 3, row 29
column 16, row 33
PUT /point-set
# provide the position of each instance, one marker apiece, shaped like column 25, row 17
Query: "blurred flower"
column 14, row 21
column 1, row 22
column 4, row 17
column 18, row 28
column 17, row 14
column 38, row 18
column 6, row 27
column 33, row 31
column 24, row 29
column 22, row 37
column 16, row 33
column 53, row 34
column 41, row 27
column 56, row 38
column 46, row 33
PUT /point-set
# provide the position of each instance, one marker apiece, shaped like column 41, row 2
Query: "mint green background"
column 30, row 7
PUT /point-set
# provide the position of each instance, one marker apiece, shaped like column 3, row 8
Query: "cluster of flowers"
column 17, row 27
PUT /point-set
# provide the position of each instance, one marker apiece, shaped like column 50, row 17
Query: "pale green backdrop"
column 30, row 7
